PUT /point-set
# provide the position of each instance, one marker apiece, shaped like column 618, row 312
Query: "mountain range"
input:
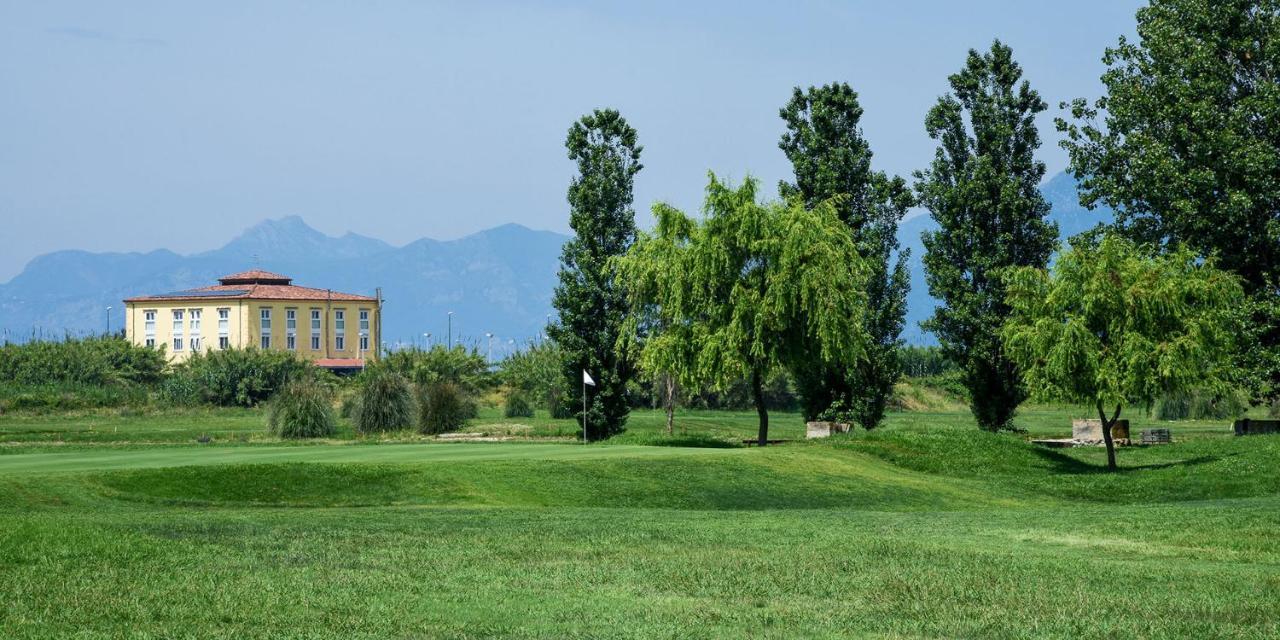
column 497, row 281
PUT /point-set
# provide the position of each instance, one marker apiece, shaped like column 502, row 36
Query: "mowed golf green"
column 927, row 528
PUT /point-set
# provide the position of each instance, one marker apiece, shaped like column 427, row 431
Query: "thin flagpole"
column 584, row 408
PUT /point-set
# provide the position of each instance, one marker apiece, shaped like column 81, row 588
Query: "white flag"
column 586, row 378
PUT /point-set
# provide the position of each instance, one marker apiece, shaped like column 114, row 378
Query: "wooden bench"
column 1248, row 427
column 1156, row 436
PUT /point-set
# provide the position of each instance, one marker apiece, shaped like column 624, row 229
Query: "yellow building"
column 263, row 310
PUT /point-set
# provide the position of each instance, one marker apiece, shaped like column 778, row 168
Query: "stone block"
column 824, row 429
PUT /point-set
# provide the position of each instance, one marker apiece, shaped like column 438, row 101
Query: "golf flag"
column 586, row 378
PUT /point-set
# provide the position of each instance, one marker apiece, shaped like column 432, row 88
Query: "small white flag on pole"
column 586, row 380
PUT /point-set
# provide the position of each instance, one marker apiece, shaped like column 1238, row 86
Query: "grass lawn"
column 926, row 528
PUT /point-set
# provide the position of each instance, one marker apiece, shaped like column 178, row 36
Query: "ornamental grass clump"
column 444, row 407
column 385, row 403
column 302, row 409
column 517, row 406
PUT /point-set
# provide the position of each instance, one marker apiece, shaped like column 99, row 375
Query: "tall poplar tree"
column 1185, row 146
column 832, row 162
column 590, row 300
column 983, row 190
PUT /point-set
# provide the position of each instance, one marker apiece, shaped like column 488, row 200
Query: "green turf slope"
column 890, row 534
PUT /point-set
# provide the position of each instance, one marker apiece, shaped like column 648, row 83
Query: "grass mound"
column 812, row 479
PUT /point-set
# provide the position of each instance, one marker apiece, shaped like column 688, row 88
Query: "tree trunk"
column 1106, row 434
column 669, row 401
column 757, row 394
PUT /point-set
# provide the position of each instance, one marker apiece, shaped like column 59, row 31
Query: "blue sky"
column 137, row 125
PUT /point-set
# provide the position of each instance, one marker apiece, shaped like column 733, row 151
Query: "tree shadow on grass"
column 1065, row 464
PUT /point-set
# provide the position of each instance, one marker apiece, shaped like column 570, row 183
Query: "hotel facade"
column 262, row 310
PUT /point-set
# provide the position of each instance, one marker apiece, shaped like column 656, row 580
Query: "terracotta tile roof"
column 339, row 363
column 256, row 292
column 255, row 276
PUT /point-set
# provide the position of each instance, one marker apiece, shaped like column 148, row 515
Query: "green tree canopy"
column 983, row 189
column 747, row 290
column 832, row 164
column 1185, row 145
column 1113, row 325
column 590, row 301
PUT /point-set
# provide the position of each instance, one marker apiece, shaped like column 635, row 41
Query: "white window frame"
column 316, row 329
column 364, row 329
column 178, row 333
column 264, row 328
column 291, row 329
column 224, row 327
column 149, row 327
column 340, row 329
column 193, row 315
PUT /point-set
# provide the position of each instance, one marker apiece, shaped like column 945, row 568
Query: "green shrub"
column 464, row 368
column 89, row 361
column 67, row 396
column 444, row 407
column 1198, row 405
column 384, row 402
column 234, row 377
column 517, row 406
column 302, row 409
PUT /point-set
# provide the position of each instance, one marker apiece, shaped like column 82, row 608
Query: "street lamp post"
column 108, row 322
column 450, row 335
column 489, row 360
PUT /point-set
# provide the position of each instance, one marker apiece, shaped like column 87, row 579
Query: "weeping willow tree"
column 1113, row 325
column 750, row 288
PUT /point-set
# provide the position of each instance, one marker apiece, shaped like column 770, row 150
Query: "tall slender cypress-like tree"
column 983, row 190
column 590, row 300
column 832, row 162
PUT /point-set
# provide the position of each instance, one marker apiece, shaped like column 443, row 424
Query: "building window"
column 291, row 329
column 266, row 328
column 315, row 329
column 194, row 315
column 224, row 328
column 177, row 329
column 340, row 330
column 149, row 326
column 364, row 329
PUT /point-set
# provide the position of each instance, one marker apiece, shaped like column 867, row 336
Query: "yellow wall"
column 244, row 325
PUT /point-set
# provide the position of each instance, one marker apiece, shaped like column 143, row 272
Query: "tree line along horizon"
column 1180, row 291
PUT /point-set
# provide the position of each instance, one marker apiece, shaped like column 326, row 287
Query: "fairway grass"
column 910, row 531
